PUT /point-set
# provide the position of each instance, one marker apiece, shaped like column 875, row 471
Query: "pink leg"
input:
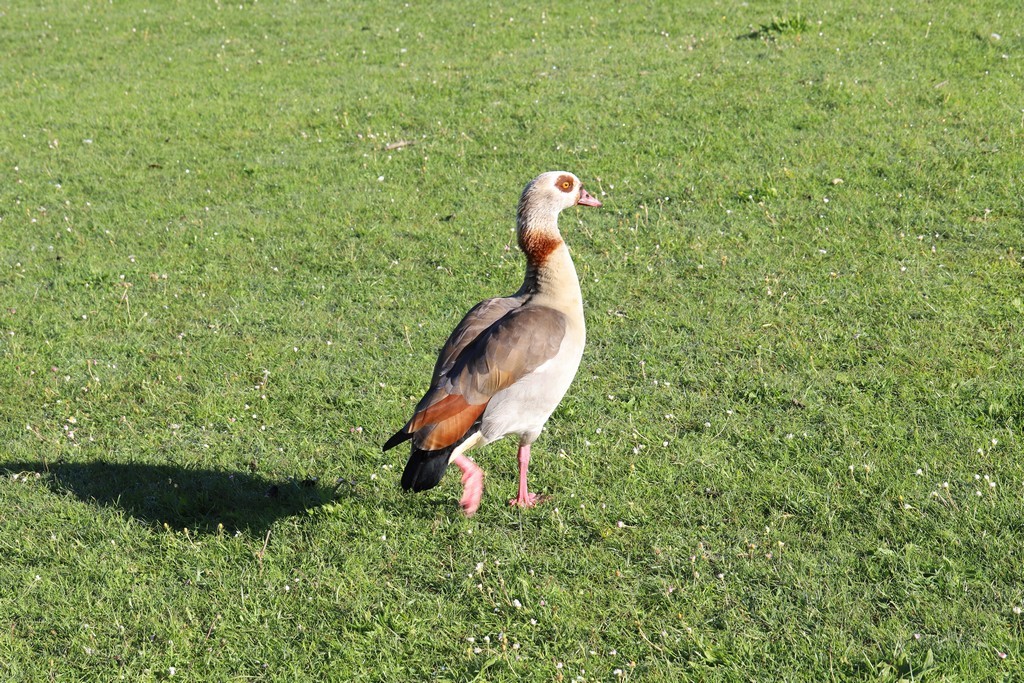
column 525, row 499
column 472, row 484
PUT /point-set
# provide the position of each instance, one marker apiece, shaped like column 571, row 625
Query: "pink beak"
column 586, row 199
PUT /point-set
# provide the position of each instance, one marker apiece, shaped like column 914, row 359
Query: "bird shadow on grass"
column 200, row 500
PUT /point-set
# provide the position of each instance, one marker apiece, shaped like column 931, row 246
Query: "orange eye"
column 566, row 185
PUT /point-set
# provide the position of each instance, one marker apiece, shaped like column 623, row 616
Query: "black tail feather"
column 425, row 468
column 398, row 438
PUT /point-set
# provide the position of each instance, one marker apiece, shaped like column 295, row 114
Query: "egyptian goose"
column 508, row 363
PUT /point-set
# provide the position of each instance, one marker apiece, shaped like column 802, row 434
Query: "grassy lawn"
column 233, row 237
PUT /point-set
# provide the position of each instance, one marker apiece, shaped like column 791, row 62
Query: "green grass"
column 794, row 447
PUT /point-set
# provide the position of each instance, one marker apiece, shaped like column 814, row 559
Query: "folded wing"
column 498, row 342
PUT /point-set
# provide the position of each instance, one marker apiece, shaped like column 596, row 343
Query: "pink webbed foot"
column 472, row 485
column 528, row 500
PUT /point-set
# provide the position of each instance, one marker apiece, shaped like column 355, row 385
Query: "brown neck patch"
column 538, row 246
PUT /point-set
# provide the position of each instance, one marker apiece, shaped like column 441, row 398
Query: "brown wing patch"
column 444, row 422
column 565, row 183
column 450, row 405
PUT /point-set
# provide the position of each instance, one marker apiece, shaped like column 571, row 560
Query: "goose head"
column 543, row 199
column 545, row 196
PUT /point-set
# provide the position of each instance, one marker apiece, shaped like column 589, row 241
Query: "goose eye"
column 564, row 183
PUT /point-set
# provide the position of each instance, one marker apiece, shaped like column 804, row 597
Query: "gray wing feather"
column 473, row 324
column 512, row 346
